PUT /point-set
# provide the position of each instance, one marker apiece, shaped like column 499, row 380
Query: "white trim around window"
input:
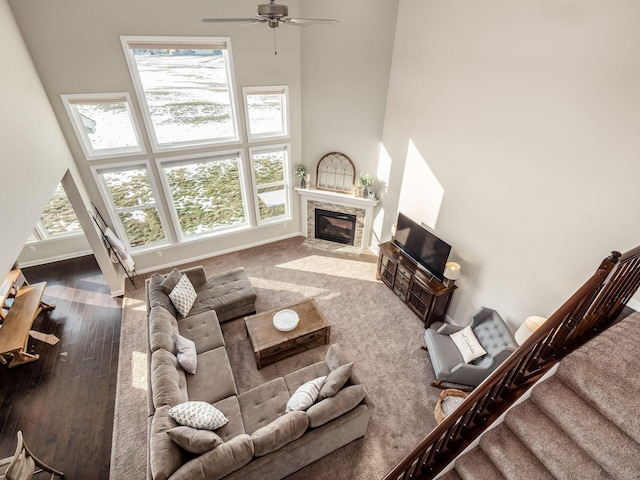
column 219, row 156
column 272, row 126
column 114, row 212
column 206, row 45
column 269, row 197
column 123, row 131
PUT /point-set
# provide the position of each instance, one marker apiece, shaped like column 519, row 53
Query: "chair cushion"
column 157, row 297
column 170, row 281
column 225, row 292
column 164, row 455
column 231, row 409
column 167, row 380
column 443, row 353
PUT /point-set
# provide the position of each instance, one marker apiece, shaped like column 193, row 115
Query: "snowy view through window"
column 187, row 94
column 187, row 98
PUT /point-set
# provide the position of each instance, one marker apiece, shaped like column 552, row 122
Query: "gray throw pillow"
column 186, row 354
column 170, row 281
column 344, row 401
column 278, row 433
column 194, row 440
column 335, row 381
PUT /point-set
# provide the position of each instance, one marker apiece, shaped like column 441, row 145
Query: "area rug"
column 375, row 328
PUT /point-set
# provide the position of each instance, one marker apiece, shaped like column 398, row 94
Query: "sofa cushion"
column 231, row 409
column 203, row 329
column 156, row 296
column 200, row 415
column 214, row 380
column 294, row 379
column 329, row 408
column 183, row 296
column 186, row 354
column 335, row 381
column 162, row 329
column 225, row 292
column 219, row 462
column 164, row 455
column 263, row 404
column 278, row 433
column 194, row 440
column 305, row 395
column 167, row 380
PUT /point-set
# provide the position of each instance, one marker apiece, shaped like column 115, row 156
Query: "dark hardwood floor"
column 64, row 402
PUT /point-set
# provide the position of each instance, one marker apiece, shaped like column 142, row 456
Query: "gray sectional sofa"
column 261, row 441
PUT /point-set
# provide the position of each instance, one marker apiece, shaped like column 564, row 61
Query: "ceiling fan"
column 273, row 15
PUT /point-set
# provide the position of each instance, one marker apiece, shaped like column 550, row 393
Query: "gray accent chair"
column 492, row 333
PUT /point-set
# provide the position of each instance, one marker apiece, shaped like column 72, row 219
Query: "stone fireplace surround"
column 362, row 208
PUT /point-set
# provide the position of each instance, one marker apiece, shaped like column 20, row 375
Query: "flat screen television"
column 421, row 245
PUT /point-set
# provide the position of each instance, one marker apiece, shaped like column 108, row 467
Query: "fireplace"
column 335, row 226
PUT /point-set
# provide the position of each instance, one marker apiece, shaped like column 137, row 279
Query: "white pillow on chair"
column 468, row 345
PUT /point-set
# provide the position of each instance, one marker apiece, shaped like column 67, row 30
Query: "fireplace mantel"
column 340, row 199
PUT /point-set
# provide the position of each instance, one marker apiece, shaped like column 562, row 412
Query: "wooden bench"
column 14, row 334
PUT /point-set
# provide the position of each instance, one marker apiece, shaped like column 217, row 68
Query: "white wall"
column 345, row 72
column 34, row 156
column 528, row 114
column 76, row 48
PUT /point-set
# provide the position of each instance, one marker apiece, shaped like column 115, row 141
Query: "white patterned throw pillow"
column 201, row 415
column 305, row 395
column 183, row 296
column 467, row 344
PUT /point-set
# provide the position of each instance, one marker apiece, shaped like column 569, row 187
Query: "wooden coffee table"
column 271, row 345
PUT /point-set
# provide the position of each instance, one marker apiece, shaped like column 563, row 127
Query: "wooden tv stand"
column 426, row 296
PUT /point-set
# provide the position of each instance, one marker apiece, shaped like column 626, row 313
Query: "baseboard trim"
column 221, row 252
column 57, row 258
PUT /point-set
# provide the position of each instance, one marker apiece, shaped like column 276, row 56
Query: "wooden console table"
column 27, row 305
column 425, row 295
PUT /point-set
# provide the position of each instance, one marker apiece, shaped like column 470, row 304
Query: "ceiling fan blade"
column 231, row 20
column 309, row 21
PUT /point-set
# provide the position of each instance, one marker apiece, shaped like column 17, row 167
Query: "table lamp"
column 451, row 273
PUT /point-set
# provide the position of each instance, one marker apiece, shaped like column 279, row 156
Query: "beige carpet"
column 375, row 328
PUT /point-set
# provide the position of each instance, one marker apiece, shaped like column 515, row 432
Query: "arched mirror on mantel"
column 335, row 173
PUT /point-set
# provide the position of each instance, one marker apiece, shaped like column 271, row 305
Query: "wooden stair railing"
column 589, row 311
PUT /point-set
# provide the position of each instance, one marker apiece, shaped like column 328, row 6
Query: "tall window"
column 132, row 199
column 206, row 192
column 104, row 124
column 267, row 112
column 57, row 220
column 270, row 168
column 185, row 88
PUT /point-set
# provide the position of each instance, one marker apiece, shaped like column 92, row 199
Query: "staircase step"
column 603, row 441
column 551, row 445
column 607, row 391
column 450, row 475
column 475, row 465
column 511, row 457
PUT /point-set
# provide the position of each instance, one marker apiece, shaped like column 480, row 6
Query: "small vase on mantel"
column 303, row 182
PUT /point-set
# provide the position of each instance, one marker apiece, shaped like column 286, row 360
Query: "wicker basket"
column 445, row 405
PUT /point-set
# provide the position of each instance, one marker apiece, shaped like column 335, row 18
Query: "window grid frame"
column 267, row 90
column 286, row 183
